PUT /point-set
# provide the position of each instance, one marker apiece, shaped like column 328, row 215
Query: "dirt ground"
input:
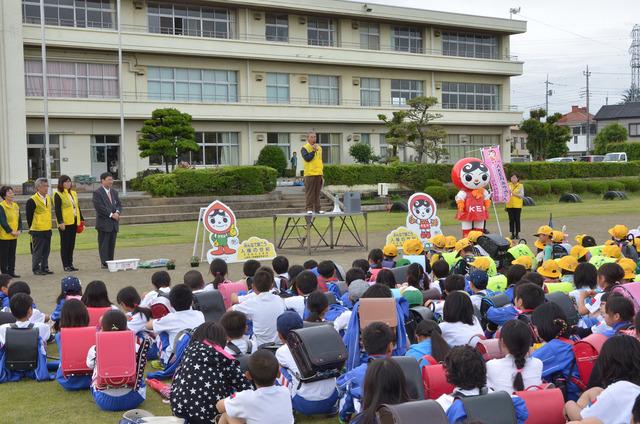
column 46, row 289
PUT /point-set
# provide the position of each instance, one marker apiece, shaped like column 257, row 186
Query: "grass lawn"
column 184, row 232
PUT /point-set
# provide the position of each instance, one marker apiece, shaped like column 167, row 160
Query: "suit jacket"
column 104, row 208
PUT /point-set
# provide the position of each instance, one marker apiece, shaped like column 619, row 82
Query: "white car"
column 566, row 159
column 615, row 157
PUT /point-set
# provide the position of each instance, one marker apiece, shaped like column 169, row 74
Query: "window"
column 216, row 148
column 462, row 146
column 575, row 139
column 36, row 155
column 281, row 140
column 71, row 13
column 277, row 88
column 105, row 155
column 365, row 138
column 321, row 31
column 522, row 143
column 407, row 39
column 576, row 130
column 403, row 90
column 470, row 96
column 194, row 21
column 194, row 85
column 369, row 92
column 634, row 130
column 331, row 146
column 70, row 79
column 369, row 35
column 464, row 44
column 384, row 147
column 323, row 90
column 277, row 27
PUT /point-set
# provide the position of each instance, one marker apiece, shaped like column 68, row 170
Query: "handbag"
column 80, row 227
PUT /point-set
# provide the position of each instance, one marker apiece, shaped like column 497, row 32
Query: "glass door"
column 105, row 155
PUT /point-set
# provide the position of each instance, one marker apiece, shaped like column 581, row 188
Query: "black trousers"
column 40, row 249
column 8, row 256
column 67, row 244
column 106, row 245
column 514, row 220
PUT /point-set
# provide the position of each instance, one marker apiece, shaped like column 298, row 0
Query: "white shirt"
column 174, row 323
column 242, row 345
column 315, row 391
column 278, row 277
column 296, row 303
column 459, row 333
column 501, row 372
column 263, row 310
column 91, row 363
column 146, row 301
column 614, row 404
column 37, row 316
column 476, row 299
column 342, row 322
column 261, row 406
column 136, row 323
column 43, row 329
column 243, row 298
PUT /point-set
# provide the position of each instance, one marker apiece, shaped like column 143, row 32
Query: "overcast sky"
column 562, row 38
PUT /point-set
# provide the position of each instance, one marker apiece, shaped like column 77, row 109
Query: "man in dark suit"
column 108, row 208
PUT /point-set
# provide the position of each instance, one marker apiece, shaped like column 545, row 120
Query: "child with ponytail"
column 218, row 270
column 317, row 306
column 137, row 316
column 431, row 347
column 516, row 371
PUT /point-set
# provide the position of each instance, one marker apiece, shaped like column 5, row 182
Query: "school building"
column 250, row 72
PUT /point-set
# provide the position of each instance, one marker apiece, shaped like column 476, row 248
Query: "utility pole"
column 587, row 74
column 547, row 93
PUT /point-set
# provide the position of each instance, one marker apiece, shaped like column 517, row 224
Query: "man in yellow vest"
column 38, row 209
column 313, row 180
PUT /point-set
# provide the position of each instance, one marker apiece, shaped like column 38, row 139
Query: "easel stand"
column 204, row 236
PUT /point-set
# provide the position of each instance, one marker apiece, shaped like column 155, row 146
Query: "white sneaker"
column 322, row 212
column 310, row 212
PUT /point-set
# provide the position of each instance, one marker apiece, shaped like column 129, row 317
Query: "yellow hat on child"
column 568, row 263
column 450, row 242
column 619, row 232
column 612, row 251
column 524, row 260
column 461, row 244
column 539, row 244
column 412, row 247
column 549, row 269
column 390, row 250
column 629, row 267
column 557, row 236
column 545, row 229
column 438, row 241
column 609, row 242
column 578, row 238
column 481, row 262
column 636, row 243
column 474, row 235
column 578, row 251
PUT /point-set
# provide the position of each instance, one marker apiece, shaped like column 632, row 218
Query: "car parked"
column 592, row 158
column 565, row 159
column 615, row 157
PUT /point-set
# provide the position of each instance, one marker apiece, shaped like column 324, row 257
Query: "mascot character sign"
column 220, row 221
column 471, row 176
column 422, row 218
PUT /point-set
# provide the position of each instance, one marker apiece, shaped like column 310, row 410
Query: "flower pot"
column 195, row 264
column 28, row 188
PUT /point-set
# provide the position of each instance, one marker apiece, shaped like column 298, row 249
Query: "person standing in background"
column 294, row 163
column 69, row 218
column 10, row 229
column 39, row 220
column 108, row 208
column 313, row 170
column 514, row 206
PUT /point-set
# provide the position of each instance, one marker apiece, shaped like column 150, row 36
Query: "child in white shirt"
column 37, row 317
column 280, row 266
column 460, row 325
column 267, row 404
column 22, row 309
column 235, row 325
column 161, row 281
column 306, row 282
column 137, row 317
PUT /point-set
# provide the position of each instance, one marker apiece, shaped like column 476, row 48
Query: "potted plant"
column 195, row 262
column 29, row 187
column 171, row 264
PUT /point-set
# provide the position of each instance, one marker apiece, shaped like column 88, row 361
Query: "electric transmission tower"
column 634, row 50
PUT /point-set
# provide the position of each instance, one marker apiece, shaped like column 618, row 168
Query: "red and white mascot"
column 471, row 176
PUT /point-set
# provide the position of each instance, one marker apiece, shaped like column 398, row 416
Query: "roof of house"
column 612, row 112
column 577, row 114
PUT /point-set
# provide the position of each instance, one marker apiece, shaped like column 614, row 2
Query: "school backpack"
column 435, row 381
column 496, row 301
column 21, row 348
column 76, row 342
column 411, row 370
column 567, row 304
column 494, row 407
column 490, row 349
column 632, row 292
column 558, row 251
column 210, row 303
column 378, row 309
column 586, row 352
column 227, row 289
column 545, row 405
column 95, row 314
column 115, row 359
column 318, row 351
column 412, row 412
column 496, row 247
column 373, row 274
column 242, row 358
column 160, row 306
column 629, row 250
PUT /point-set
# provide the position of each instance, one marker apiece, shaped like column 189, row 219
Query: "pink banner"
column 500, row 192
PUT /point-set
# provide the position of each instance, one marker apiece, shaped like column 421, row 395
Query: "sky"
column 562, row 38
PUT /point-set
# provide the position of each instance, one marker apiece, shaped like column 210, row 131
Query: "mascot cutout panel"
column 220, row 222
column 422, row 221
column 471, row 176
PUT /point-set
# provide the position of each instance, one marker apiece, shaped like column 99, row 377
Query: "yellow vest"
column 42, row 214
column 13, row 215
column 313, row 167
column 514, row 202
column 67, row 207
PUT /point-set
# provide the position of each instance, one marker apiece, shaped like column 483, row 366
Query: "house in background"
column 519, row 152
column 627, row 115
column 577, row 121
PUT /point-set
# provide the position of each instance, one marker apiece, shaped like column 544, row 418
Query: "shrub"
column 453, row 191
column 439, row 193
column 137, row 183
column 432, row 183
column 163, row 185
column 579, row 186
column 632, row 184
column 537, row 188
column 361, row 153
column 616, row 185
column 273, row 157
column 560, row 186
column 597, row 187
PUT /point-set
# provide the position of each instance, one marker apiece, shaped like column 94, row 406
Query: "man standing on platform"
column 313, row 180
column 108, row 208
column 38, row 209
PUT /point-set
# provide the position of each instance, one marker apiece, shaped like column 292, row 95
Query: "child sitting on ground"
column 5, row 279
column 96, row 295
column 73, row 314
column 249, row 270
column 528, row 297
column 280, row 266
column 235, row 325
column 618, row 314
column 218, row 269
column 318, row 397
column 352, row 275
column 327, row 278
column 195, row 281
column 161, row 281
column 137, row 316
column 306, row 282
column 440, row 270
column 268, row 403
column 389, row 252
column 21, row 287
column 431, row 347
column 478, row 281
column 70, row 288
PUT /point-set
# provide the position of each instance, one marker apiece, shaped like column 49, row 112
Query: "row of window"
column 213, row 22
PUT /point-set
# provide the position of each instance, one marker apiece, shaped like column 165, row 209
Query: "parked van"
column 615, row 157
column 591, row 158
column 565, row 159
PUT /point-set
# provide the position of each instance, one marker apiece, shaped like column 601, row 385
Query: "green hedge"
column 231, row 180
column 439, row 193
column 632, row 149
column 560, row 186
column 417, row 176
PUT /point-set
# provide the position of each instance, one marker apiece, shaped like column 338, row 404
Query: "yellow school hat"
column 568, row 263
column 578, row 251
column 609, row 243
column 545, row 229
column 412, row 247
column 539, row 244
column 636, row 243
column 450, row 242
column 629, row 267
column 612, row 251
column 461, row 244
column 390, row 250
column 578, row 238
column 619, row 232
column 438, row 241
column 549, row 269
column 524, row 260
column 474, row 235
column 481, row 262
column 557, row 236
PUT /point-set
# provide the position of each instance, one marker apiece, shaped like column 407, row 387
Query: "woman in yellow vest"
column 10, row 228
column 514, row 206
column 69, row 217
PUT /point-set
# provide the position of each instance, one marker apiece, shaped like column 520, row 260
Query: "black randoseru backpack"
column 318, row 351
column 21, row 347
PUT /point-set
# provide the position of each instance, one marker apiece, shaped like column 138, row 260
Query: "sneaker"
column 310, row 212
column 322, row 212
column 156, row 364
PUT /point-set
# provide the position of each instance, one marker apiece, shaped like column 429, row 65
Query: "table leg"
column 331, row 232
column 366, row 231
column 308, row 222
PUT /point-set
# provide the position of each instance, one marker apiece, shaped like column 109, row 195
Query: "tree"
column 361, row 153
column 545, row 139
column 631, row 94
column 273, row 156
column 612, row 133
column 414, row 128
column 167, row 134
